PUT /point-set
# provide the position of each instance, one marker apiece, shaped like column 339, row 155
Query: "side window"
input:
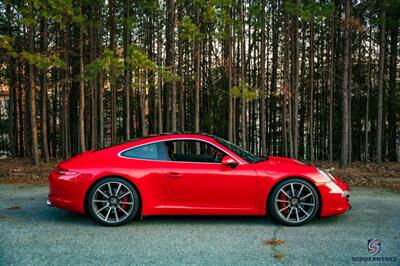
column 193, row 151
column 154, row 151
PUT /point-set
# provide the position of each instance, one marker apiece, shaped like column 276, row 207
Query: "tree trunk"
column 113, row 84
column 43, row 89
column 65, row 100
column 379, row 126
column 345, row 90
column 13, row 116
column 101, row 109
column 32, row 92
column 100, row 98
column 159, row 84
column 230, row 77
column 93, row 82
column 171, row 59
column 127, row 73
column 243, row 73
column 286, row 87
column 393, row 98
column 234, row 74
column 294, row 87
column 81, row 116
column 311, row 59
column 181, row 50
column 331, row 83
column 367, row 97
column 272, row 113
column 197, row 80
column 142, row 95
column 263, row 133
column 350, row 84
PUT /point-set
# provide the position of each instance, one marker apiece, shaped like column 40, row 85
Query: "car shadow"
column 331, row 220
column 56, row 216
column 44, row 215
column 206, row 219
column 60, row 216
column 64, row 217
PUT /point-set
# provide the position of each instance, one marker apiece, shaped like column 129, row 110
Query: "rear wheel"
column 113, row 201
column 294, row 202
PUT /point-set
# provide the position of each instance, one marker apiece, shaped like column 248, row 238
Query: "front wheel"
column 113, row 201
column 294, row 202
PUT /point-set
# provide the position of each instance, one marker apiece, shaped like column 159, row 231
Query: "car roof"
column 168, row 135
column 161, row 136
column 181, row 133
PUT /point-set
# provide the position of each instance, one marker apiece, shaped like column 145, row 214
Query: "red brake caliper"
column 124, row 206
column 283, row 204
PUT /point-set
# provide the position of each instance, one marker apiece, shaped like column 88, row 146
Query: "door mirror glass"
column 229, row 161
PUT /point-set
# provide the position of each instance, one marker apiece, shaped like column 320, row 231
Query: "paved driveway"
column 33, row 234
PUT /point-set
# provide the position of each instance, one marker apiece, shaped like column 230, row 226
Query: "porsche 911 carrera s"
column 192, row 174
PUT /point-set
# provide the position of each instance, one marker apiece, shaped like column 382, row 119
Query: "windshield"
column 248, row 156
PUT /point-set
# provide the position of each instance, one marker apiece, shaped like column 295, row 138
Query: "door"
column 196, row 178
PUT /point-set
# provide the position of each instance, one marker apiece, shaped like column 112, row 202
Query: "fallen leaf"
column 274, row 242
column 278, row 256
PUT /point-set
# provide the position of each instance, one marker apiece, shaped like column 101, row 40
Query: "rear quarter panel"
column 145, row 175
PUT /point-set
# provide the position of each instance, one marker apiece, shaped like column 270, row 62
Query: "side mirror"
column 229, row 161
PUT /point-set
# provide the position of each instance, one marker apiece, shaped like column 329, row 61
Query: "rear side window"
column 193, row 151
column 154, row 151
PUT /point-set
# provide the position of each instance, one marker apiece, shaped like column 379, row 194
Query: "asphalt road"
column 33, row 234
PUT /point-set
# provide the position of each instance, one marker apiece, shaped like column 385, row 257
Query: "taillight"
column 60, row 171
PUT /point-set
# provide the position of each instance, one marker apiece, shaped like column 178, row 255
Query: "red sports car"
column 192, row 174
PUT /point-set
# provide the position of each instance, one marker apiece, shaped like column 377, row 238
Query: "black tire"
column 113, row 208
column 297, row 209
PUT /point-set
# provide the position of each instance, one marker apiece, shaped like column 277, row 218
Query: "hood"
column 275, row 165
column 281, row 160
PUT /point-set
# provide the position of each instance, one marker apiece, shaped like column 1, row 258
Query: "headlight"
column 326, row 175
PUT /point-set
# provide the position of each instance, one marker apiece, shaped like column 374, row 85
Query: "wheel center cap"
column 294, row 201
column 113, row 201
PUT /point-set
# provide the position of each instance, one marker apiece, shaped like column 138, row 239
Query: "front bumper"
column 335, row 198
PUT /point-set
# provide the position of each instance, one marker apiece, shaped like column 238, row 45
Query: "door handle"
column 174, row 174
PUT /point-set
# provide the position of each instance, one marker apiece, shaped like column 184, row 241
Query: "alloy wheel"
column 113, row 202
column 295, row 202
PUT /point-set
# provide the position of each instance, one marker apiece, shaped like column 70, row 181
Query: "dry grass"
column 22, row 171
column 386, row 174
column 361, row 169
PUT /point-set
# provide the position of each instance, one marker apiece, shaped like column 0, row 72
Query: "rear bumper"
column 66, row 192
column 335, row 198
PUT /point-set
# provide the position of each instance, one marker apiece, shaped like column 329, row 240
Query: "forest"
column 310, row 80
